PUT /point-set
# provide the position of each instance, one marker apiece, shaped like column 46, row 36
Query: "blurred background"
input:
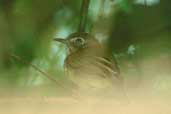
column 137, row 32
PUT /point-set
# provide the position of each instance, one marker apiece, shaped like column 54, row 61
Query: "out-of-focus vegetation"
column 134, row 29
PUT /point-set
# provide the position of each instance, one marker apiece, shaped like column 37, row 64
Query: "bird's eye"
column 78, row 41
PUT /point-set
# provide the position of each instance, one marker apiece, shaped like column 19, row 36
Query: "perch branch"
column 35, row 67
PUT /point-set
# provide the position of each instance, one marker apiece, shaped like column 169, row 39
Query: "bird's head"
column 78, row 41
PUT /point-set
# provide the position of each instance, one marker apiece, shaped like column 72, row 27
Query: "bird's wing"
column 109, row 65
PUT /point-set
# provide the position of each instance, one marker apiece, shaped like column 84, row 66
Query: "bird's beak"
column 64, row 41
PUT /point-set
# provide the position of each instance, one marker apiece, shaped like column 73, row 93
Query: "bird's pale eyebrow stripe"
column 77, row 38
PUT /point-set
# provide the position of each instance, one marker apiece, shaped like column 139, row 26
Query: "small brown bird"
column 89, row 65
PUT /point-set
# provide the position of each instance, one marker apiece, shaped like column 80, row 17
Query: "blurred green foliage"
column 27, row 28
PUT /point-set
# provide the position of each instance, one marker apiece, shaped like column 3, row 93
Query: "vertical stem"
column 83, row 15
column 145, row 2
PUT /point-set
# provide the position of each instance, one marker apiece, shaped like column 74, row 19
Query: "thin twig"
column 35, row 67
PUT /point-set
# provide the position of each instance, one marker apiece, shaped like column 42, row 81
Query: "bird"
column 89, row 65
